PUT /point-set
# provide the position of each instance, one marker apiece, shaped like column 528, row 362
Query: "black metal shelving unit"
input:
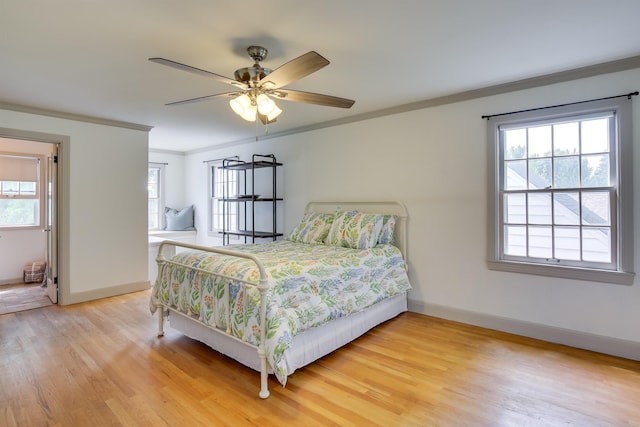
column 248, row 200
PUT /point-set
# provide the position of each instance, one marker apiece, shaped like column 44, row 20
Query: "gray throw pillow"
column 178, row 220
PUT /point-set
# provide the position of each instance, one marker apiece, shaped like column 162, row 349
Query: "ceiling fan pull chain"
column 256, row 124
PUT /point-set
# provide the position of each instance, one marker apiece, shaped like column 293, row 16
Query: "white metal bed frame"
column 367, row 319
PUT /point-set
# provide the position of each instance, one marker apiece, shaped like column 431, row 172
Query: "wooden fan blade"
column 294, row 70
column 198, row 71
column 205, row 98
column 313, row 98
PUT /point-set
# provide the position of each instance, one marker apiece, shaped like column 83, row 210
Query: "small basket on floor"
column 34, row 272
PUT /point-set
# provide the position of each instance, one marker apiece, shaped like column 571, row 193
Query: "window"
column 561, row 192
column 223, row 182
column 156, row 200
column 19, row 191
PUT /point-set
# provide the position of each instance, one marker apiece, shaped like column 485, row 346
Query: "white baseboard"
column 11, row 281
column 593, row 342
column 112, row 291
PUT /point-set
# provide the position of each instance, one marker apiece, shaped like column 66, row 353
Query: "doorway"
column 28, row 222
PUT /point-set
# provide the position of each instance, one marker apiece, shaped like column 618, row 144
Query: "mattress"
column 306, row 347
column 309, row 285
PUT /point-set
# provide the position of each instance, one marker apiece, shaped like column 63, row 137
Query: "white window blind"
column 18, row 168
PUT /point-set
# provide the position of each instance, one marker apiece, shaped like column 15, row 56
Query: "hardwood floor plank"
column 100, row 364
column 22, row 296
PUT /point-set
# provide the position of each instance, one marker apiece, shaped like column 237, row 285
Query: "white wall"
column 104, row 201
column 17, row 248
column 434, row 161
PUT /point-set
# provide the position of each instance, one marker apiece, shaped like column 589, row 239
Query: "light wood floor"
column 100, row 364
column 22, row 296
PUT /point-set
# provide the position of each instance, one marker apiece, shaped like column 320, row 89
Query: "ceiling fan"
column 256, row 86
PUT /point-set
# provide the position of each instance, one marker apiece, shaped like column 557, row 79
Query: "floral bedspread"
column 309, row 286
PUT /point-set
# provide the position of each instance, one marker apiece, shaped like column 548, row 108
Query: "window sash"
column 223, row 182
column 19, row 213
column 19, row 189
column 155, row 196
column 557, row 232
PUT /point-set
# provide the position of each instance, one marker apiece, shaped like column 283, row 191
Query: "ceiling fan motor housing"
column 251, row 74
column 256, row 72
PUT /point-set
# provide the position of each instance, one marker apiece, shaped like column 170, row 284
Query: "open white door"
column 51, row 225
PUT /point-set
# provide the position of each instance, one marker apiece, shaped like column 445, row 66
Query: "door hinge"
column 55, row 159
column 55, row 280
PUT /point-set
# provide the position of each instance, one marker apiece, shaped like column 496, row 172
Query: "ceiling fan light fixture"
column 265, row 104
column 243, row 107
column 275, row 112
column 250, row 114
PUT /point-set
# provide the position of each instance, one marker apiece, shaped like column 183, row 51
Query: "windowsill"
column 158, row 236
column 172, row 233
column 564, row 272
column 20, row 228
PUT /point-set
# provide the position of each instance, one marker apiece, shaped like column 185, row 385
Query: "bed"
column 278, row 306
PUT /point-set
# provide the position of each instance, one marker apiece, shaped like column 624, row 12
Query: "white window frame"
column 620, row 271
column 215, row 198
column 160, row 198
column 39, row 195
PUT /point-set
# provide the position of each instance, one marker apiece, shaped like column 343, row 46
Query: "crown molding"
column 72, row 116
column 165, row 151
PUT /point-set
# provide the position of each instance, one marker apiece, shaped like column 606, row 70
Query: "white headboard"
column 379, row 207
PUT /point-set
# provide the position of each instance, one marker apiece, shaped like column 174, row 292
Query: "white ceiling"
column 89, row 57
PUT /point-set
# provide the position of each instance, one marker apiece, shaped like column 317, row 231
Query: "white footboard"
column 262, row 287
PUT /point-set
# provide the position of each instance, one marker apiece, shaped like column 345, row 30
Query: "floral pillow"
column 388, row 225
column 313, row 228
column 356, row 230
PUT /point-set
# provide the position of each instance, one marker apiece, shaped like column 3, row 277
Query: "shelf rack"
column 248, row 200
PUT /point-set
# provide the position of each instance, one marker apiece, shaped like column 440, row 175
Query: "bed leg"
column 264, row 374
column 160, row 321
